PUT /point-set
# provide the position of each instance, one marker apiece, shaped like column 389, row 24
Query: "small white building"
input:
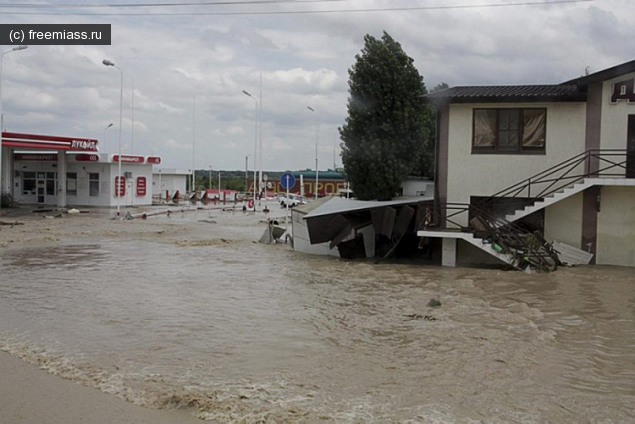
column 417, row 187
column 166, row 182
column 90, row 179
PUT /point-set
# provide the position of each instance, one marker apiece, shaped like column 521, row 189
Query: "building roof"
column 507, row 93
column 569, row 91
column 311, row 205
column 603, row 75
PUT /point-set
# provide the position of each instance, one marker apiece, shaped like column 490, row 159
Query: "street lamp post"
column 210, row 177
column 194, row 146
column 15, row 49
column 118, row 183
column 317, row 141
column 255, row 143
column 246, row 171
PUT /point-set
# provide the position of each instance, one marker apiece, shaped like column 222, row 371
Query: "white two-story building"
column 558, row 159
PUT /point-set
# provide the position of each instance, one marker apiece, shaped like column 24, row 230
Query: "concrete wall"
column 563, row 221
column 615, row 117
column 484, row 174
column 616, row 227
column 468, row 254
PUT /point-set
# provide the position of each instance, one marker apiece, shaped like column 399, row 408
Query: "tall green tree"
column 386, row 135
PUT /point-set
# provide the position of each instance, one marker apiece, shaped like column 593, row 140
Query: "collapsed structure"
column 359, row 229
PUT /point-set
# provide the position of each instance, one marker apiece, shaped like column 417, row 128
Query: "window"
column 71, row 183
column 93, row 184
column 28, row 183
column 509, row 130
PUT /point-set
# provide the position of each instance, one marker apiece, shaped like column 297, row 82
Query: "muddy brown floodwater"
column 177, row 313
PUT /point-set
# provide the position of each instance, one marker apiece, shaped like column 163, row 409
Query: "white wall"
column 131, row 198
column 485, row 174
column 170, row 182
column 616, row 227
column 563, row 221
column 107, row 172
column 82, row 169
column 417, row 187
column 614, row 127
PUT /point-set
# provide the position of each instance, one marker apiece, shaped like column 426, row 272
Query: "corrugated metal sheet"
column 570, row 255
column 337, row 205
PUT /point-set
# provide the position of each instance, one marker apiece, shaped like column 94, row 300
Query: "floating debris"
column 12, row 224
column 419, row 316
column 213, row 242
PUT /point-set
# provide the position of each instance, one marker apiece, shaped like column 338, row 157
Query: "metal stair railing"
column 593, row 163
column 525, row 247
column 528, row 248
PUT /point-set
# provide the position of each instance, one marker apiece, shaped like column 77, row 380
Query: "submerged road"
column 173, row 313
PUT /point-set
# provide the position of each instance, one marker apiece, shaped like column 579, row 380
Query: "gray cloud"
column 303, row 59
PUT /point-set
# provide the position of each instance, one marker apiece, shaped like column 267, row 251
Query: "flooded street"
column 175, row 313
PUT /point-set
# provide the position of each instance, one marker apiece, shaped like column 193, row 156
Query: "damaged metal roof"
column 334, row 219
column 340, row 205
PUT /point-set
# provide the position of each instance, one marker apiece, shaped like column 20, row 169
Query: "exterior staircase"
column 497, row 237
column 568, row 192
column 548, row 201
column 509, row 242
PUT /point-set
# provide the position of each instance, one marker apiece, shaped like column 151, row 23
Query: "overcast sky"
column 303, row 59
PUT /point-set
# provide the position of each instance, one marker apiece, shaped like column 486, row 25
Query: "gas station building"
column 69, row 171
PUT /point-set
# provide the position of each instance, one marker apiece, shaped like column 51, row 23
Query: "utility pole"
column 260, row 164
column 317, row 141
column 132, row 124
column 246, row 172
column 193, row 144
